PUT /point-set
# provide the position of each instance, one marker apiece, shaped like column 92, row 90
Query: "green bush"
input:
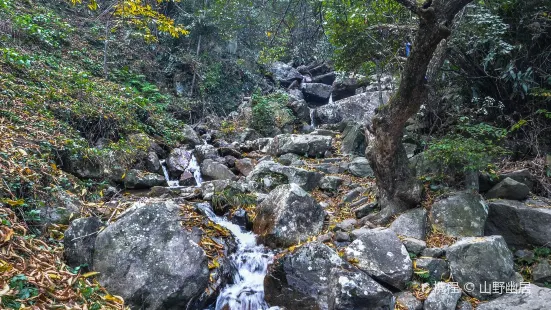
column 467, row 148
column 269, row 113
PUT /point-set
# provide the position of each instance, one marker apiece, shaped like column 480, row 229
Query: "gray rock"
column 304, row 145
column 460, row 215
column 244, row 165
column 327, row 78
column 330, row 168
column 316, row 93
column 433, row 252
column 206, row 151
column 187, row 179
column 65, row 206
column 216, row 186
column 521, row 225
column 353, row 141
column 541, row 273
column 353, row 195
column 346, row 87
column 300, row 110
column 354, row 290
column 364, row 210
column 481, row 261
column 212, row 170
column 409, row 301
column 152, row 163
column 284, row 74
column 444, row 296
column 523, row 176
column 330, row 183
column 147, row 258
column 342, row 236
column 359, row 108
column 412, row 223
column 79, row 240
column 464, row 305
column 289, row 215
column 177, row 162
column 381, row 254
column 346, row 225
column 357, row 233
column 437, row 268
column 315, row 277
column 529, row 298
column 288, row 159
column 360, row 167
column 509, row 189
column 268, row 175
column 325, row 237
column 136, row 179
column 190, row 136
column 414, row 246
column 325, row 132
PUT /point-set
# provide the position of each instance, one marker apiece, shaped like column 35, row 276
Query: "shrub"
column 269, row 113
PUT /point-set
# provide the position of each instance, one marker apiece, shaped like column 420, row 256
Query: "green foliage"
column 367, row 32
column 47, row 28
column 24, row 289
column 269, row 113
column 15, row 58
column 470, row 147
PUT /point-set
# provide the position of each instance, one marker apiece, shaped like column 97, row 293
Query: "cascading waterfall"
column 173, row 183
column 251, row 261
column 312, row 122
column 193, row 168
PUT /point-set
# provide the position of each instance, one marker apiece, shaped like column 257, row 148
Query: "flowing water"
column 312, row 122
column 193, row 168
column 251, row 262
column 171, row 183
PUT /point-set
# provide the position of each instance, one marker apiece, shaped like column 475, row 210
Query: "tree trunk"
column 398, row 187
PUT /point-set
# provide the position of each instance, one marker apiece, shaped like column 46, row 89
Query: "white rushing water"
column 312, row 122
column 193, row 168
column 173, row 183
column 251, row 262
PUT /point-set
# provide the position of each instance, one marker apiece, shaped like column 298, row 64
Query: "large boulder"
column 381, row 254
column 79, row 241
column 528, row 297
column 289, row 215
column 212, row 170
column 479, row 262
column 245, row 166
column 359, row 108
column 520, row 224
column 147, row 258
column 461, row 214
column 327, row 78
column 361, row 168
column 412, row 223
column 300, row 110
column 353, row 141
column 284, row 73
column 190, row 136
column 136, row 179
column 177, row 162
column 304, row 145
column 346, row 87
column 61, row 209
column 267, row 175
column 316, row 93
column 509, row 189
column 315, row 277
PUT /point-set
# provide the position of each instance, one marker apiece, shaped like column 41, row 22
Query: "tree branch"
column 410, row 5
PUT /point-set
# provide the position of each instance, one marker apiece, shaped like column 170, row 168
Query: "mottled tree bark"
column 396, row 182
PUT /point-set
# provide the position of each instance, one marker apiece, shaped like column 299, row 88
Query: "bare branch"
column 392, row 27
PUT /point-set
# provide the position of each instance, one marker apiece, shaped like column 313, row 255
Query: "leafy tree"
column 398, row 188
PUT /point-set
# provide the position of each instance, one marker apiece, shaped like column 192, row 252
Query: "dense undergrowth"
column 54, row 100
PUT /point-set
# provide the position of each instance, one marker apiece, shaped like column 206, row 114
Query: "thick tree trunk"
column 398, row 187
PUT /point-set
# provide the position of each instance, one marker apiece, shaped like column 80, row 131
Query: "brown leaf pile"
column 42, row 265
